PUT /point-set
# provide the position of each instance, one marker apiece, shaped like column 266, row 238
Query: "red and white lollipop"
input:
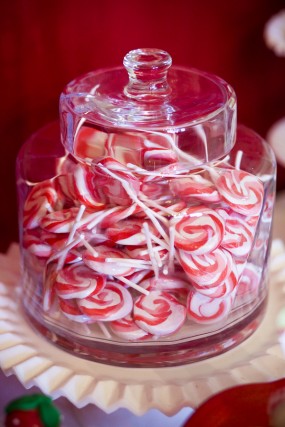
column 158, row 151
column 61, row 221
column 166, row 283
column 159, row 313
column 41, row 200
column 64, row 185
column 34, row 242
column 250, row 279
column 112, row 303
column 71, row 310
column 226, row 288
column 157, row 157
column 78, row 281
column 142, row 252
column 125, row 147
column 127, row 329
column 154, row 190
column 242, row 191
column 238, row 237
column 114, row 182
column 85, row 188
column 194, row 187
column 208, row 270
column 130, row 232
column 89, row 143
column 114, row 215
column 198, row 230
column 109, row 261
column 206, row 310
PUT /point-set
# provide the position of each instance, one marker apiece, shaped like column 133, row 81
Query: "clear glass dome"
column 148, row 96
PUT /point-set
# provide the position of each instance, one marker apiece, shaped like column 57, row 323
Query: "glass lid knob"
column 147, row 69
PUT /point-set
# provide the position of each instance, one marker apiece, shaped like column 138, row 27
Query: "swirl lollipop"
column 226, row 288
column 130, row 232
column 198, row 230
column 238, row 237
column 89, row 143
column 127, row 329
column 41, row 200
column 206, row 310
column 125, row 147
column 36, row 244
column 242, row 191
column 84, row 185
column 108, row 175
column 78, row 281
column 71, row 310
column 159, row 313
column 109, row 261
column 112, row 303
column 208, row 270
column 60, row 221
column 196, row 187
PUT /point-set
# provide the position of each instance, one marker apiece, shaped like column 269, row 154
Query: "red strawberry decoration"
column 36, row 410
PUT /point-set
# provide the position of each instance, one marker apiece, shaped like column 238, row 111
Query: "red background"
column 45, row 44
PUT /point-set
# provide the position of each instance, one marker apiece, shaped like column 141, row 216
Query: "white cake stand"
column 36, row 362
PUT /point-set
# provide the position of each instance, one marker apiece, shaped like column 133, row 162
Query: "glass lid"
column 147, row 92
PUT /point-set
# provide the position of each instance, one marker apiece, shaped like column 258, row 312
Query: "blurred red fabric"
column 45, row 44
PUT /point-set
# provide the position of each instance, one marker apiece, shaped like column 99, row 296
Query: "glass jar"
column 145, row 220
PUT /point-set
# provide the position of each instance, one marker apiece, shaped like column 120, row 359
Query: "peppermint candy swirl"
column 127, row 329
column 130, row 232
column 34, row 242
column 97, row 261
column 226, row 288
column 78, row 281
column 158, row 151
column 250, row 280
column 206, row 310
column 60, row 221
column 142, row 252
column 85, row 188
column 165, row 283
column 64, row 185
column 71, row 310
column 89, row 143
column 43, row 244
column 125, row 147
column 41, row 200
column 115, row 188
column 208, row 270
column 155, row 190
column 112, row 303
column 158, row 157
column 159, row 313
column 118, row 214
column 196, row 187
column 238, row 237
column 198, row 230
column 242, row 191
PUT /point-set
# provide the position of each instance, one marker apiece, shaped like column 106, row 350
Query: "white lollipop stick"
column 130, row 261
column 171, row 248
column 66, row 248
column 89, row 247
column 132, row 285
column 238, row 159
column 104, row 329
column 71, row 236
column 151, row 214
column 150, row 249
